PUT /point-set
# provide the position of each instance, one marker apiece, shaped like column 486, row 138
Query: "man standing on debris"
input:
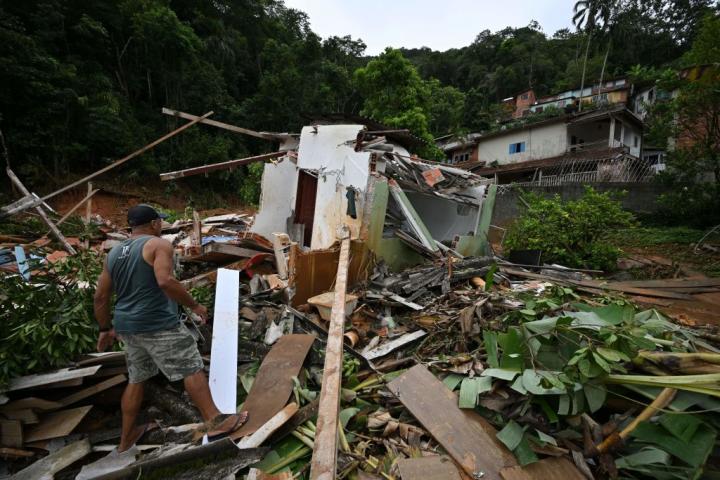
column 140, row 272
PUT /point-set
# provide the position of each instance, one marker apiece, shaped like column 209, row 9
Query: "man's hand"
column 105, row 340
column 201, row 311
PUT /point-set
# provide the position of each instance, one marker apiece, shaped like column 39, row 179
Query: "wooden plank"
column 42, row 379
column 220, row 166
column 47, row 467
column 273, row 384
column 553, row 467
column 262, row 433
column 324, row 460
column 224, row 126
column 438, row 467
column 671, row 283
column 11, row 433
column 223, row 362
column 30, row 402
column 25, row 415
column 470, row 440
column 391, row 345
column 6, row 452
column 57, row 424
column 92, row 390
column 599, row 285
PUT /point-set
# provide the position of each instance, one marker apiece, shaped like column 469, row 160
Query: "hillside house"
column 526, row 152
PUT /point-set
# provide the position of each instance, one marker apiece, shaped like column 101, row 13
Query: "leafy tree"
column 395, row 95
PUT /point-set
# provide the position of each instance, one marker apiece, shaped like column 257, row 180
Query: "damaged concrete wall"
column 277, row 197
column 324, row 149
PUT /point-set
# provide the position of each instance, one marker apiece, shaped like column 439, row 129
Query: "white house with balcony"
column 525, row 151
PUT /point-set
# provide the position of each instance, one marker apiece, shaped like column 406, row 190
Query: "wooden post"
column 56, row 231
column 88, row 205
column 197, row 229
column 324, row 459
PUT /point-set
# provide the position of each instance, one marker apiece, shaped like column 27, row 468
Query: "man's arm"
column 101, row 306
column 163, row 267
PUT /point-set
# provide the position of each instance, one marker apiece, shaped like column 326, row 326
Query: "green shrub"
column 570, row 233
column 47, row 322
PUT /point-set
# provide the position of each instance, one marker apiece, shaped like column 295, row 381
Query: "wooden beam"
column 77, row 205
column 324, row 459
column 43, row 379
column 219, row 166
column 121, row 161
column 48, row 466
column 92, row 390
column 224, row 126
column 262, row 433
column 53, row 228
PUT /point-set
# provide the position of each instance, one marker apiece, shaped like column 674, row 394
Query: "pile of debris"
column 379, row 338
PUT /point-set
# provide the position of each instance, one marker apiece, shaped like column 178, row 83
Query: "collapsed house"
column 431, row 359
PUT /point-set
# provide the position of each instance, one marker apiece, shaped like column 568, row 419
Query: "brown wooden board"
column 470, row 440
column 11, row 433
column 59, row 377
column 25, row 415
column 56, row 424
column 30, row 402
column 92, row 390
column 273, row 384
column 428, row 468
column 547, row 468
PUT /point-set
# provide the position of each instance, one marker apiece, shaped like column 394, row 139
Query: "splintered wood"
column 469, row 439
column 324, row 459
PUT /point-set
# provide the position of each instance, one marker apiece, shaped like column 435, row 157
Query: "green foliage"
column 706, row 46
column 49, row 321
column 570, row 233
column 395, row 94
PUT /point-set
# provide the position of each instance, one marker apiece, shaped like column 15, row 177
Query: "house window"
column 637, row 141
column 517, row 147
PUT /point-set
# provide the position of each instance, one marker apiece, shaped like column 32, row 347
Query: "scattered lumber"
column 262, row 433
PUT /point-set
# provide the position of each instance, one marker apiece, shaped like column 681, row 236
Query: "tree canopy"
column 83, row 82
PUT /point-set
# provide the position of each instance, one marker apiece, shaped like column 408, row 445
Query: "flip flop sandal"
column 239, row 422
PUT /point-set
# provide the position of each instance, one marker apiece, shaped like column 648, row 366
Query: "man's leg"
column 199, row 391
column 130, row 404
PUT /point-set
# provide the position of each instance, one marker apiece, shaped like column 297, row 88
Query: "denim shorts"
column 172, row 352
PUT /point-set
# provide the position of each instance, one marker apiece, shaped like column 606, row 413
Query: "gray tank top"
column 141, row 305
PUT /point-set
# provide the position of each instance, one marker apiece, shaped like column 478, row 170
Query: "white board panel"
column 223, row 359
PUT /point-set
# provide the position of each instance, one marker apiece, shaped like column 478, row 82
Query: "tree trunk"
column 602, row 72
column 582, row 82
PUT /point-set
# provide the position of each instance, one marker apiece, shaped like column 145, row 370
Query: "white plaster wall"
column 324, row 148
column 277, row 198
column 631, row 133
column 540, row 142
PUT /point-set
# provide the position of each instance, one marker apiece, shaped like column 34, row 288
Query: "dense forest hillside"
column 82, row 83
